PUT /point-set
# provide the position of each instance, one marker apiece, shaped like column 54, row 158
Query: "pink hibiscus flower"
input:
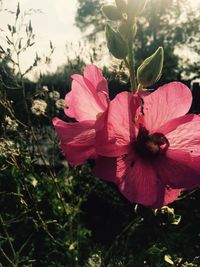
column 87, row 100
column 152, row 154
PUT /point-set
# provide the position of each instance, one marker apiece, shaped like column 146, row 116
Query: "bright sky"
column 55, row 23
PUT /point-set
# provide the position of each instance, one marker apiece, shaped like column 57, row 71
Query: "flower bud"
column 125, row 30
column 116, row 45
column 121, row 5
column 111, row 12
column 135, row 7
column 150, row 70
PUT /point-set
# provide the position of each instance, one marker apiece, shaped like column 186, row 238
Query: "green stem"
column 8, row 238
column 131, row 68
column 140, row 87
column 131, row 61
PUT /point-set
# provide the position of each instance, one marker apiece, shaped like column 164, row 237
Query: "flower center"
column 150, row 145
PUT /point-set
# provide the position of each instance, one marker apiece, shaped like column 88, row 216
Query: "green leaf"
column 51, row 45
column 176, row 219
column 150, row 71
column 135, row 7
column 125, row 30
column 121, row 5
column 30, row 27
column 116, row 45
column 168, row 259
column 20, row 44
column 111, row 12
column 14, row 30
column 18, row 11
column 9, row 28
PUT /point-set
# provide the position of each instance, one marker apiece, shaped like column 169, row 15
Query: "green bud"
column 111, row 12
column 116, row 44
column 135, row 7
column 121, row 5
column 150, row 70
column 125, row 30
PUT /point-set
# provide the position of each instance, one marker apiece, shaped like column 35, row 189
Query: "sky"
column 55, row 22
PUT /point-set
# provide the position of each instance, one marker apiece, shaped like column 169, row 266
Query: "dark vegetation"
column 54, row 215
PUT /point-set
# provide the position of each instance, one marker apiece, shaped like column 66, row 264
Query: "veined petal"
column 186, row 136
column 166, row 103
column 77, row 140
column 115, row 128
column 171, row 195
column 140, row 184
column 105, row 168
column 95, row 76
column 81, row 103
column 136, row 180
column 89, row 95
column 178, row 169
column 173, row 124
column 168, row 195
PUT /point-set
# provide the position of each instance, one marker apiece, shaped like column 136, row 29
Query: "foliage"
column 53, row 215
column 162, row 24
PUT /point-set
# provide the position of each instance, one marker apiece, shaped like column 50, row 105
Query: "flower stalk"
column 131, row 62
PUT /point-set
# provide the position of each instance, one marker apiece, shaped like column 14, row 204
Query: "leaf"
column 51, row 45
column 121, row 5
column 18, row 11
column 30, row 27
column 111, row 12
column 9, row 27
column 150, row 71
column 168, row 259
column 116, row 45
column 176, row 219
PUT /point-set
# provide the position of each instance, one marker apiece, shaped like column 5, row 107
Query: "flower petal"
column 171, row 195
column 178, row 169
column 89, row 95
column 95, row 76
column 166, row 103
column 134, row 183
column 141, row 185
column 173, row 124
column 186, row 136
column 115, row 128
column 105, row 168
column 77, row 140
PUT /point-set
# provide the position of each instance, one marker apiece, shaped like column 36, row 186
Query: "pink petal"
column 166, row 103
column 168, row 195
column 171, row 195
column 89, row 95
column 95, row 76
column 173, row 124
column 141, row 185
column 105, row 168
column 178, row 169
column 186, row 136
column 81, row 102
column 136, row 183
column 115, row 128
column 77, row 140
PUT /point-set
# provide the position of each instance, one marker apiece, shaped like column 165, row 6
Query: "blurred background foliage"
column 173, row 24
column 55, row 215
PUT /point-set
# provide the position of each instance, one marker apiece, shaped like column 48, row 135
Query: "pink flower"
column 152, row 154
column 87, row 100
